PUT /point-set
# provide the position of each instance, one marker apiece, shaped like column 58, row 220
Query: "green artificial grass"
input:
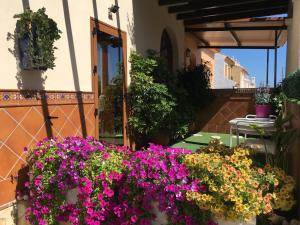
column 201, row 139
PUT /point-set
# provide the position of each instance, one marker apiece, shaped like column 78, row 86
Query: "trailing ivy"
column 36, row 33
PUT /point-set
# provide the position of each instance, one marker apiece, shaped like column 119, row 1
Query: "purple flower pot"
column 263, row 111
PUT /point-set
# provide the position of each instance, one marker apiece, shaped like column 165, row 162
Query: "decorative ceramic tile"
column 28, row 123
column 41, row 97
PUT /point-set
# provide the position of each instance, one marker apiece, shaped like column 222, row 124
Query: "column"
column 293, row 40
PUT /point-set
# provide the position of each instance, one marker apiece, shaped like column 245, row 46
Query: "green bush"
column 291, row 84
column 150, row 103
column 162, row 102
column 196, row 83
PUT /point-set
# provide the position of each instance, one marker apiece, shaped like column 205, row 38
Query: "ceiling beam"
column 171, row 2
column 233, row 35
column 194, row 5
column 237, row 47
column 208, row 29
column 238, row 15
column 228, row 9
column 200, row 39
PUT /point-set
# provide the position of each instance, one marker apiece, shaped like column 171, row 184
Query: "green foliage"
column 42, row 32
column 150, row 103
column 278, row 102
column 291, row 84
column 263, row 96
column 196, row 82
column 165, row 102
column 283, row 137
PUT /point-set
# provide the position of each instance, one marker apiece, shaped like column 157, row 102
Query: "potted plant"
column 36, row 34
column 263, row 107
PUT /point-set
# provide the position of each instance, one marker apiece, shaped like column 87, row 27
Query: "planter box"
column 222, row 221
column 161, row 218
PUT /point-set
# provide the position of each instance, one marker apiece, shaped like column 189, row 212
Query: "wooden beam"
column 171, row 2
column 212, row 4
column 210, row 29
column 237, row 47
column 233, row 35
column 200, row 39
column 229, row 9
column 240, row 15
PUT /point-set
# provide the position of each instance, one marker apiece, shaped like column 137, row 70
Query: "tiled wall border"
column 10, row 98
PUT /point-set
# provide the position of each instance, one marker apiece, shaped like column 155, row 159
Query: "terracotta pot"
column 263, row 111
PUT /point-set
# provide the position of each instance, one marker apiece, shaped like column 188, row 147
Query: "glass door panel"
column 110, row 88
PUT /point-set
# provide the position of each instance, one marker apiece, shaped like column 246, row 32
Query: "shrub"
column 284, row 192
column 161, row 101
column 85, row 164
column 114, row 186
column 236, row 190
column 161, row 176
column 150, row 103
column 196, row 83
column 291, row 84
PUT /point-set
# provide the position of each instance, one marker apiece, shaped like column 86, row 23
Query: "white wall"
column 149, row 22
column 143, row 23
column 220, row 81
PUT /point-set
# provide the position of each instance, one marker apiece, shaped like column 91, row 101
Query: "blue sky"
column 255, row 61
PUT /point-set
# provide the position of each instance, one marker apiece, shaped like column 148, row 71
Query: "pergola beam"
column 171, row 2
column 212, row 29
column 238, row 15
column 212, row 4
column 200, row 39
column 237, row 47
column 253, row 6
column 233, row 35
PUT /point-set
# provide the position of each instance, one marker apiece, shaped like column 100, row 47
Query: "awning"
column 232, row 23
column 258, row 33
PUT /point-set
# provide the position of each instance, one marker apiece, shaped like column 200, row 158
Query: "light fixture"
column 188, row 53
column 111, row 10
column 114, row 9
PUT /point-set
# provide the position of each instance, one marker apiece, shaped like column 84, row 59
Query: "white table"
column 243, row 126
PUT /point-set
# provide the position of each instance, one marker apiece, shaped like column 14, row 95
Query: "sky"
column 255, row 61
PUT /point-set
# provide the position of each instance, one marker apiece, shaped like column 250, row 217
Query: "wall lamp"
column 113, row 9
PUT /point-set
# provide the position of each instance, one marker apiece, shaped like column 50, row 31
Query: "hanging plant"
column 36, row 34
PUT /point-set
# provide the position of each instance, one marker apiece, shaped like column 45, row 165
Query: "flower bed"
column 114, row 185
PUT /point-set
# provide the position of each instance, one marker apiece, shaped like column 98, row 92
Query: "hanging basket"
column 36, row 34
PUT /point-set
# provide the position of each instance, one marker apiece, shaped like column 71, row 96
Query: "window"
column 228, row 72
column 166, row 49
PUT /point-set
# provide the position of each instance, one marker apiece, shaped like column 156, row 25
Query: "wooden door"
column 109, row 82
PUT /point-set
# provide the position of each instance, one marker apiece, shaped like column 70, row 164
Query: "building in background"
column 229, row 74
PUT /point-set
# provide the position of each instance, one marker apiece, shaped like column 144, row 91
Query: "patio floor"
column 201, row 139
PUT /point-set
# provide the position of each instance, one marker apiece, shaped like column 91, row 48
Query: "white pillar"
column 293, row 40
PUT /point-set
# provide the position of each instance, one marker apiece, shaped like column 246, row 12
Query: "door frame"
column 96, row 25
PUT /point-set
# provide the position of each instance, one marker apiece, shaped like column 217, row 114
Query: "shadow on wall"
column 31, row 82
column 146, row 27
column 65, row 5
